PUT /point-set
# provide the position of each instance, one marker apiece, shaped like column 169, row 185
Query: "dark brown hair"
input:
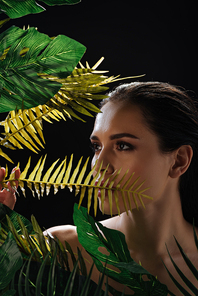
column 172, row 115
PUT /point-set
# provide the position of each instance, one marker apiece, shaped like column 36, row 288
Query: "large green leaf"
column 16, row 8
column 30, row 53
column 93, row 235
column 10, row 260
column 4, row 210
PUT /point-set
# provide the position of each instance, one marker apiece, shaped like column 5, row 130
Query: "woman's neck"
column 148, row 230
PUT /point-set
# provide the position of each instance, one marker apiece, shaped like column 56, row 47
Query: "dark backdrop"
column 156, row 38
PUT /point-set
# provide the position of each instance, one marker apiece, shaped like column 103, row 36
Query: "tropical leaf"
column 10, row 260
column 19, row 79
column 189, row 264
column 63, row 176
column 93, row 235
column 16, row 8
column 6, row 211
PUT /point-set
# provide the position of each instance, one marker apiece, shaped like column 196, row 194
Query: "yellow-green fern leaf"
column 66, row 176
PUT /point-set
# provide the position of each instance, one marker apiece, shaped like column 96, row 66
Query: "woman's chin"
column 106, row 208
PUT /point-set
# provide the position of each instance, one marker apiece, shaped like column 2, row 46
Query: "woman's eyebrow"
column 116, row 136
column 122, row 135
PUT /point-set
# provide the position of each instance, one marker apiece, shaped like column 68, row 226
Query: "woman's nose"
column 106, row 162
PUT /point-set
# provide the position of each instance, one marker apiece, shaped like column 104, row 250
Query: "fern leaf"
column 36, row 123
column 29, row 242
column 47, row 175
column 23, row 132
column 20, row 129
column 65, row 176
column 73, row 177
column 39, row 172
column 24, row 173
column 40, row 237
column 21, row 243
column 79, row 88
column 55, row 174
column 3, row 154
column 61, row 174
column 32, row 175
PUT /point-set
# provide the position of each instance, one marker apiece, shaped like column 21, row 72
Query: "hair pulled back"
column 172, row 115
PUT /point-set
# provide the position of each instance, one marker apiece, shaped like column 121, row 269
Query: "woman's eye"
column 95, row 147
column 121, row 146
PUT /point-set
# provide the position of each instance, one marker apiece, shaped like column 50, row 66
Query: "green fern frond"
column 64, row 176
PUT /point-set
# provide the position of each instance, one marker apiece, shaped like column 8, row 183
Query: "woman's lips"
column 106, row 186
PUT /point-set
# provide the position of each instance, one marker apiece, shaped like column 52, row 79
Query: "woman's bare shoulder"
column 110, row 222
column 64, row 233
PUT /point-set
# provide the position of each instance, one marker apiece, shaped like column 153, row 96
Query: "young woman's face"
column 121, row 139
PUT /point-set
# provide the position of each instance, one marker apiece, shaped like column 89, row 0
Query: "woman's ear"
column 182, row 160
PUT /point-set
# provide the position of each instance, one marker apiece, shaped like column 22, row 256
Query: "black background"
column 156, row 38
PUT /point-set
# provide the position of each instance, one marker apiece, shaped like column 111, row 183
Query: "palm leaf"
column 19, row 79
column 191, row 267
column 60, row 178
column 15, row 8
column 40, row 276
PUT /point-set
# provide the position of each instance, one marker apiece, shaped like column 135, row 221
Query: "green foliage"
column 47, row 274
column 20, row 84
column 93, row 235
column 10, row 260
column 5, row 211
column 16, row 8
column 191, row 267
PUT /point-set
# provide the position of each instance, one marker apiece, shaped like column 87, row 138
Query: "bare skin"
column 121, row 138
column 8, row 197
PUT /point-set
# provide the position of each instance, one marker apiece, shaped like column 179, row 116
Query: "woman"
column 151, row 129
